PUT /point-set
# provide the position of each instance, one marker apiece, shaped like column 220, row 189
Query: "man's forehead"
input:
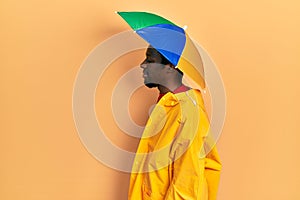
column 151, row 51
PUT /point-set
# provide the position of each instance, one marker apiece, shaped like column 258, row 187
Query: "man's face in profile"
column 153, row 70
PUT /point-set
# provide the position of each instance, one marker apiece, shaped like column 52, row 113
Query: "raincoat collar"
column 171, row 99
column 181, row 88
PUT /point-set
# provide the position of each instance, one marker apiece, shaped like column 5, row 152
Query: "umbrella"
column 170, row 40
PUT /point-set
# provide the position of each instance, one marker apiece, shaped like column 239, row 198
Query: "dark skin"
column 165, row 77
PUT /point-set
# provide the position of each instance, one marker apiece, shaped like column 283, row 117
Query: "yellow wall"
column 255, row 44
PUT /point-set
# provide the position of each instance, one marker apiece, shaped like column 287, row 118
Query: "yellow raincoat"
column 172, row 160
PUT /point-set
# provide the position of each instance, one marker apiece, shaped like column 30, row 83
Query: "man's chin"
column 151, row 85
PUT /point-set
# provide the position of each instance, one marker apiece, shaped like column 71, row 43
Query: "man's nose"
column 143, row 64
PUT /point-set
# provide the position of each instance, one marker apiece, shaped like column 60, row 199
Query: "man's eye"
column 149, row 61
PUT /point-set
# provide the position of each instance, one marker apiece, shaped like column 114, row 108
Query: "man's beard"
column 151, row 85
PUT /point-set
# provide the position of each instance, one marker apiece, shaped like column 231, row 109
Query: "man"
column 172, row 160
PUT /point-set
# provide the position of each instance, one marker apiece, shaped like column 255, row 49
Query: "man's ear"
column 170, row 68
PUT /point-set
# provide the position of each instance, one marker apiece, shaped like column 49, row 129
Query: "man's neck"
column 163, row 89
column 171, row 88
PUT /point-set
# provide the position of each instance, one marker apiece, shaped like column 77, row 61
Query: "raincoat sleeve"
column 212, row 173
column 193, row 176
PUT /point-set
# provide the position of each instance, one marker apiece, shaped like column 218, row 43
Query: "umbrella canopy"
column 170, row 40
